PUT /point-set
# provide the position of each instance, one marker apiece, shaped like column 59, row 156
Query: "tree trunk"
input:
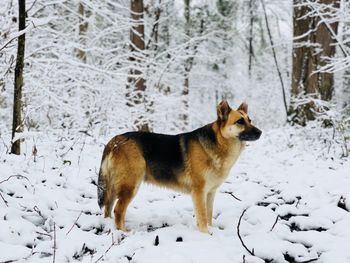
column 188, row 65
column 312, row 46
column 250, row 39
column 136, row 83
column 83, row 26
column 17, row 103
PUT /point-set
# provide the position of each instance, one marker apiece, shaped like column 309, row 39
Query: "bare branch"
column 231, row 194
column 54, row 243
column 4, row 199
column 274, row 224
column 275, row 59
column 74, row 223
column 251, row 252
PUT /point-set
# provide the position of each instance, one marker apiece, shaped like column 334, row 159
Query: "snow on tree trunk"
column 17, row 103
column 136, row 85
column 188, row 66
column 83, row 26
column 313, row 45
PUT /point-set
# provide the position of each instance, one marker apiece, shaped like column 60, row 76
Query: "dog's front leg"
column 210, row 204
column 199, row 202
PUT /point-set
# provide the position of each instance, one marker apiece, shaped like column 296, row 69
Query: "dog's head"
column 236, row 123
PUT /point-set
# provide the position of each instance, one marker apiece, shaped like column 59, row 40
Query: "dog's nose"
column 257, row 132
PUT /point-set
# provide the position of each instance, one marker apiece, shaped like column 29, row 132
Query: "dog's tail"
column 101, row 182
column 101, row 186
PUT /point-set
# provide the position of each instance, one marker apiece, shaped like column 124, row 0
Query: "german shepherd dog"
column 195, row 162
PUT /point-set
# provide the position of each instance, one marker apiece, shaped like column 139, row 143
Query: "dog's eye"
column 240, row 121
column 249, row 120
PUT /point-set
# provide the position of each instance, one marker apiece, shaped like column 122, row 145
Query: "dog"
column 196, row 162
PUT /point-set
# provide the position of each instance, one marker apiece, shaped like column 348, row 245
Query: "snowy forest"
column 73, row 74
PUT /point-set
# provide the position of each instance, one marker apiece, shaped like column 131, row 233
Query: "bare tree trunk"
column 313, row 44
column 346, row 79
column 188, row 65
column 251, row 24
column 17, row 103
column 136, row 83
column 83, row 26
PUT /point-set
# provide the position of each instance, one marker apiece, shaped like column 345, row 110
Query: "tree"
column 188, row 66
column 313, row 46
column 83, row 26
column 17, row 100
column 136, row 82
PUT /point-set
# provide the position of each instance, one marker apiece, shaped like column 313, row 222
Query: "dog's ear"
column 223, row 110
column 243, row 107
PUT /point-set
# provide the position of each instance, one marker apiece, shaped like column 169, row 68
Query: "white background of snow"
column 59, row 189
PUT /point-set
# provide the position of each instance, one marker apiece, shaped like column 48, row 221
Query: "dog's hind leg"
column 131, row 177
column 108, row 204
column 125, row 196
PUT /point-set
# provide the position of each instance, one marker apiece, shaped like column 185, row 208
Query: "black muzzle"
column 252, row 134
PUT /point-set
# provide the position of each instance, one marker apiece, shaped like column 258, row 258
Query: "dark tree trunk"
column 136, row 83
column 309, row 54
column 250, row 40
column 17, row 103
column 83, row 26
column 346, row 80
column 188, row 66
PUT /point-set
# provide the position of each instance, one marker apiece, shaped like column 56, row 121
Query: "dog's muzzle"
column 252, row 134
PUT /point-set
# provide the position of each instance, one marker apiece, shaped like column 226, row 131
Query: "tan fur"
column 124, row 168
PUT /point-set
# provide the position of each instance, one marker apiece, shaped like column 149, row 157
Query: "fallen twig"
column 4, row 200
column 74, row 223
column 230, row 193
column 274, row 224
column 37, row 210
column 54, row 243
column 251, row 252
column 18, row 177
column 44, row 234
column 113, row 244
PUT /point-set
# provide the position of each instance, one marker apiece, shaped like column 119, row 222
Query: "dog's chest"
column 221, row 165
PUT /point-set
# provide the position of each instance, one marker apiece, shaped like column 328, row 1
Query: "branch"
column 275, row 58
column 54, row 243
column 18, row 177
column 274, row 224
column 18, row 34
column 4, row 200
column 74, row 223
column 251, row 252
column 113, row 244
column 231, row 194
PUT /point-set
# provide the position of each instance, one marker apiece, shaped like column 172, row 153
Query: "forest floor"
column 293, row 206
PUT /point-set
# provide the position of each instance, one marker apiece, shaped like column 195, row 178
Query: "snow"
column 292, row 197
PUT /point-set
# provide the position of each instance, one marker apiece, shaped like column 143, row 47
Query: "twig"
column 44, row 234
column 251, row 252
column 4, row 200
column 54, row 243
column 74, row 223
column 37, row 210
column 274, row 224
column 86, row 133
column 309, row 260
column 18, row 177
column 275, row 58
column 230, row 193
column 70, row 148
column 30, row 8
column 113, row 244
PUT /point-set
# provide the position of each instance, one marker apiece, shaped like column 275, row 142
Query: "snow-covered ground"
column 296, row 209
